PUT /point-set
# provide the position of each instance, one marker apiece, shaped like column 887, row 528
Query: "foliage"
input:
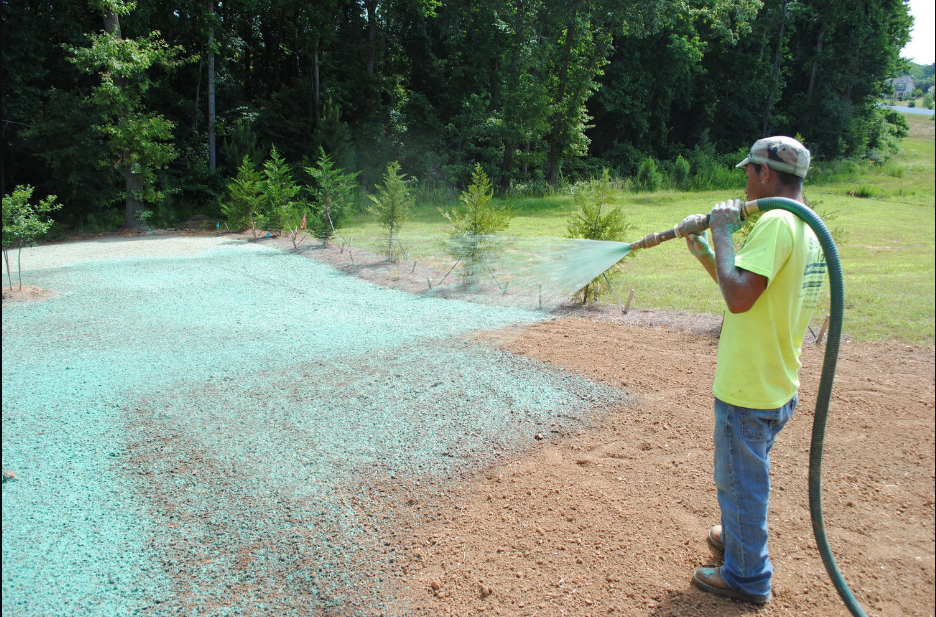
column 244, row 206
column 332, row 194
column 681, row 173
column 241, row 142
column 23, row 222
column 471, row 239
column 392, row 203
column 280, row 206
column 540, row 93
column 64, row 144
column 865, row 191
column 593, row 218
column 137, row 139
column 649, row 177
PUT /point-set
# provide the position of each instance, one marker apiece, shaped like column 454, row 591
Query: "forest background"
column 116, row 107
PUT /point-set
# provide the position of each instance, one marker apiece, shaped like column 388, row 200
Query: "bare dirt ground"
column 612, row 520
column 28, row 293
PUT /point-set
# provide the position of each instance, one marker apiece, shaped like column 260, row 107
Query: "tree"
column 138, row 139
column 392, row 203
column 593, row 218
column 244, row 206
column 649, row 177
column 582, row 52
column 331, row 193
column 23, row 222
column 474, row 225
column 280, row 205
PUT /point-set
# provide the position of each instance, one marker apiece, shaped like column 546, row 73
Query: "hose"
column 836, row 310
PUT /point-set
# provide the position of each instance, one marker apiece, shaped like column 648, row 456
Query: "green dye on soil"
column 207, row 431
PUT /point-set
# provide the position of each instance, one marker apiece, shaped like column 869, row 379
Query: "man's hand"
column 698, row 245
column 701, row 250
column 740, row 288
column 726, row 216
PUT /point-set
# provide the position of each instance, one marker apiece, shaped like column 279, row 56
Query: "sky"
column 922, row 46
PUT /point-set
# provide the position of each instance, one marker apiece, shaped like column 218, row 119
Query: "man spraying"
column 770, row 288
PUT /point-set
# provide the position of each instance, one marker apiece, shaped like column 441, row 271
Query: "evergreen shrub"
column 474, row 225
column 649, row 178
column 593, row 218
column 680, row 173
column 392, row 204
column 244, row 206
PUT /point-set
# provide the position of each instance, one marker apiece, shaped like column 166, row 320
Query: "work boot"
column 710, row 580
column 714, row 539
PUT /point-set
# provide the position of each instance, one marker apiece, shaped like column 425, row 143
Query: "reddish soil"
column 28, row 293
column 612, row 520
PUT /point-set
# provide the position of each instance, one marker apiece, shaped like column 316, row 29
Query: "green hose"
column 825, row 388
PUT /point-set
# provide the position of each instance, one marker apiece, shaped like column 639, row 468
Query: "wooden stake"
column 630, row 297
column 822, row 330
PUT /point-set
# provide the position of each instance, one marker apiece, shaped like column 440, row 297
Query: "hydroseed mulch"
column 205, row 426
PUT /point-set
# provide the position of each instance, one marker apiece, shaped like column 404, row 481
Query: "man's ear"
column 767, row 174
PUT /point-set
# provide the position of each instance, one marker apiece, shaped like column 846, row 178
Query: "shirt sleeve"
column 767, row 247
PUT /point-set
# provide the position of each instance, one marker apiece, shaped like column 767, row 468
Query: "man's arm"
column 740, row 288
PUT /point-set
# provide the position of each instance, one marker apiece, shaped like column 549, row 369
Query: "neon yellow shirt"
column 759, row 351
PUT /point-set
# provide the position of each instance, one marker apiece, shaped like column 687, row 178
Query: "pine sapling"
column 392, row 203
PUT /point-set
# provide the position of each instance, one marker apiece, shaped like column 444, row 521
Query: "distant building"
column 903, row 87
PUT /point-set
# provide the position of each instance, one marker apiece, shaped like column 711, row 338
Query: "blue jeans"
column 743, row 439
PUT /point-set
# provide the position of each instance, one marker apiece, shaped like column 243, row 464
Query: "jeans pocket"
column 754, row 423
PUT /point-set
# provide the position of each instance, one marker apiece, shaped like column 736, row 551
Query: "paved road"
column 910, row 110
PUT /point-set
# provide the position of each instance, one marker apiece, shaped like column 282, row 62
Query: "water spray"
column 574, row 264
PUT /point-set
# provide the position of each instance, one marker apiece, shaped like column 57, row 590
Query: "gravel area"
column 198, row 424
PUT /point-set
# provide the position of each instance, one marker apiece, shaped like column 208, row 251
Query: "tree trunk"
column 315, row 108
column 371, row 6
column 509, row 146
column 112, row 24
column 775, row 75
column 506, row 164
column 316, row 77
column 554, row 145
column 212, row 148
column 812, row 80
column 132, row 181
column 198, row 90
column 6, row 258
column 133, row 206
column 815, row 66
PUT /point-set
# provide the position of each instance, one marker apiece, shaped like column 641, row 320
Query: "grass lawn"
column 885, row 242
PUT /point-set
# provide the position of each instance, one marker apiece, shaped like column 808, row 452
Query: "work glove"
column 726, row 216
column 698, row 245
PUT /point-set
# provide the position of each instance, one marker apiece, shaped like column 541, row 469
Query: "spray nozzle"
column 693, row 224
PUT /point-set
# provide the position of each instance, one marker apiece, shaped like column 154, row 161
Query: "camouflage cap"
column 781, row 154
